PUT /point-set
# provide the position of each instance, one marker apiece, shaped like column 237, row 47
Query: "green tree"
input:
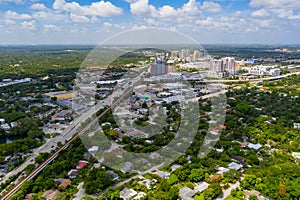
column 197, row 175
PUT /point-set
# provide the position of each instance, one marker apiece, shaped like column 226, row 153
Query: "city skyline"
column 92, row 21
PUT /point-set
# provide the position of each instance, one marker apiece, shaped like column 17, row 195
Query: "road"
column 52, row 143
column 252, row 80
column 80, row 192
column 71, row 130
column 52, row 157
column 227, row 192
column 127, row 180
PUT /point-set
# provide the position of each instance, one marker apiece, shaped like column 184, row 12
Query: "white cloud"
column 29, row 25
column 79, row 18
column 94, row 19
column 101, row 8
column 49, row 16
column 142, row 7
column 211, row 6
column 260, row 13
column 15, row 16
column 9, row 21
column 167, row 11
column 107, row 24
column 51, row 27
column 287, row 14
column 275, row 3
column 191, row 8
column 252, row 30
column 38, row 6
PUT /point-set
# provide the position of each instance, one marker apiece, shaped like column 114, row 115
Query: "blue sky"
column 92, row 21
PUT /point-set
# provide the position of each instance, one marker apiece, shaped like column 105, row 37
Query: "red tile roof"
column 81, row 164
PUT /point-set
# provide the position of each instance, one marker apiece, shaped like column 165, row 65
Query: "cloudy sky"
column 92, row 21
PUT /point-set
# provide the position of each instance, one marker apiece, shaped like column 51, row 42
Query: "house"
column 296, row 155
column 127, row 167
column 13, row 124
column 200, row 187
column 296, row 125
column 146, row 182
column 127, row 193
column 64, row 184
column 50, row 194
column 87, row 155
column 186, row 193
column 255, row 193
column 114, row 175
column 162, row 174
column 29, row 196
column 222, row 170
column 239, row 159
column 134, row 133
column 62, row 115
column 214, row 177
column 254, row 146
column 81, row 164
column 235, row 166
column 5, row 127
column 175, row 166
column 73, row 173
column 219, row 150
column 140, row 195
column 93, row 150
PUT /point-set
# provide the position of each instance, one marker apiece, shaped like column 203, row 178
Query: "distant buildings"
column 261, row 70
column 251, row 61
column 7, row 82
column 185, row 55
column 223, row 67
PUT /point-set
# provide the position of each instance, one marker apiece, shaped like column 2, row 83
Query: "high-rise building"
column 175, row 54
column 185, row 53
column 216, row 66
column 196, row 55
column 159, row 67
column 225, row 66
column 229, row 65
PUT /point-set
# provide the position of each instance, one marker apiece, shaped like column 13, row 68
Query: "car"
column 52, row 146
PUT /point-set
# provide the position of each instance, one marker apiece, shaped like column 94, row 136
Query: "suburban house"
column 127, row 193
column 81, row 164
column 235, row 166
column 50, row 194
column 62, row 115
column 73, row 173
column 186, row 193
